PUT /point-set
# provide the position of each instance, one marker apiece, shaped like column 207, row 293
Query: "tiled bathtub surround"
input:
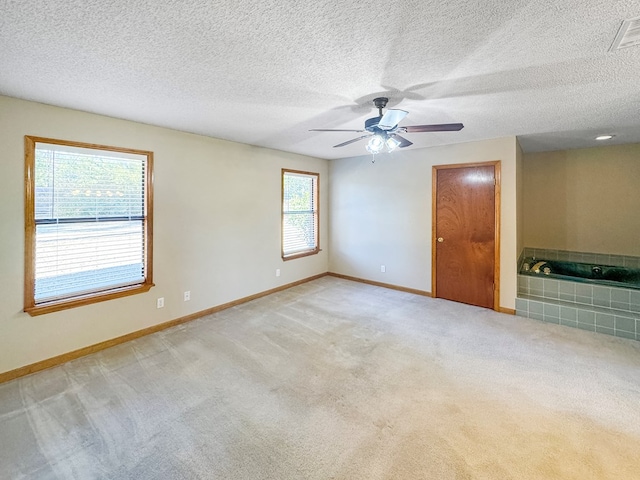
column 583, row 257
column 610, row 310
column 581, row 293
column 597, row 308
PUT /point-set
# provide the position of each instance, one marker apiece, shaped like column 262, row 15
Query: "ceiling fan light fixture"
column 392, row 144
column 375, row 144
column 382, row 131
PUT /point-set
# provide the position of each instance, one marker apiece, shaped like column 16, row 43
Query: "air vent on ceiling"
column 628, row 35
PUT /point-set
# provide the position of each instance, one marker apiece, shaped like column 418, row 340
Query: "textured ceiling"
column 265, row 72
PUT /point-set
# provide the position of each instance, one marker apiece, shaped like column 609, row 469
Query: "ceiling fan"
column 383, row 130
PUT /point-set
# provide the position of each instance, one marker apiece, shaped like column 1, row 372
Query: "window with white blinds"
column 88, row 229
column 299, row 213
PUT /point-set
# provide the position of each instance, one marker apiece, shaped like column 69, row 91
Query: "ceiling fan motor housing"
column 390, row 129
column 380, row 102
column 371, row 124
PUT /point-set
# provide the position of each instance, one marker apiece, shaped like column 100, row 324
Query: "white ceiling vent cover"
column 628, row 35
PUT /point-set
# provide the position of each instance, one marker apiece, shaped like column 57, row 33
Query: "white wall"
column 216, row 228
column 381, row 213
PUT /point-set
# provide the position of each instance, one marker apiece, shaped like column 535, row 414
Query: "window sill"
column 301, row 254
column 57, row 305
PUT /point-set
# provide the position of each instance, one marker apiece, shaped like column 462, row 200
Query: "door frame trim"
column 497, row 164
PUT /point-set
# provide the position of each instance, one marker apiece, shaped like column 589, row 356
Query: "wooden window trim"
column 317, row 249
column 30, row 305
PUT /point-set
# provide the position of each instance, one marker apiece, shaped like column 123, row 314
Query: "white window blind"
column 299, row 213
column 89, row 208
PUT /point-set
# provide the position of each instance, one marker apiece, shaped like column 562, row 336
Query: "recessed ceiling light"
column 605, row 137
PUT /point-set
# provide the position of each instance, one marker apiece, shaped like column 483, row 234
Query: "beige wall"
column 217, row 219
column 381, row 213
column 216, row 228
column 519, row 199
column 584, row 200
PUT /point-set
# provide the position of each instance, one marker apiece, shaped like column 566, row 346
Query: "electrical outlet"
column 383, row 268
column 187, row 295
column 160, row 302
column 277, row 272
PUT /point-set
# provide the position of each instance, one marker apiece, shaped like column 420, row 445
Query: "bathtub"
column 612, row 276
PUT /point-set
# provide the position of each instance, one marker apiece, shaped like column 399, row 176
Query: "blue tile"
column 522, row 304
column 541, row 253
column 617, row 260
column 523, row 284
column 568, row 313
column 536, row 307
column 522, row 313
column 623, row 334
column 620, row 306
column 605, row 320
column 568, row 323
column 536, row 284
column 536, row 316
column 584, row 290
column 586, row 317
column 634, row 297
column 584, row 300
column 554, row 320
column 608, row 331
column 588, row 258
column 602, row 296
column 551, row 310
column 586, row 326
column 632, row 262
column 568, row 288
column 602, row 292
column 550, row 288
column 620, row 295
column 626, row 324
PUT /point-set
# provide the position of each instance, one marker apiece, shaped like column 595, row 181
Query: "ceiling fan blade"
column 391, row 118
column 351, row 141
column 403, row 141
column 333, row 130
column 443, row 127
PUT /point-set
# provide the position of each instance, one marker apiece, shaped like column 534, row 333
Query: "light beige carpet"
column 335, row 380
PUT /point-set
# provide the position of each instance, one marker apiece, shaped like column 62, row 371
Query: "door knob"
column 440, row 239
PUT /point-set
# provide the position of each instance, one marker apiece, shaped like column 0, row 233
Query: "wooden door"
column 465, row 234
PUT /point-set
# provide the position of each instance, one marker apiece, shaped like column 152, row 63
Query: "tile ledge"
column 581, row 306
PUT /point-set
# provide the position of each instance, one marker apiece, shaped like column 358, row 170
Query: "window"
column 299, row 213
column 88, row 223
